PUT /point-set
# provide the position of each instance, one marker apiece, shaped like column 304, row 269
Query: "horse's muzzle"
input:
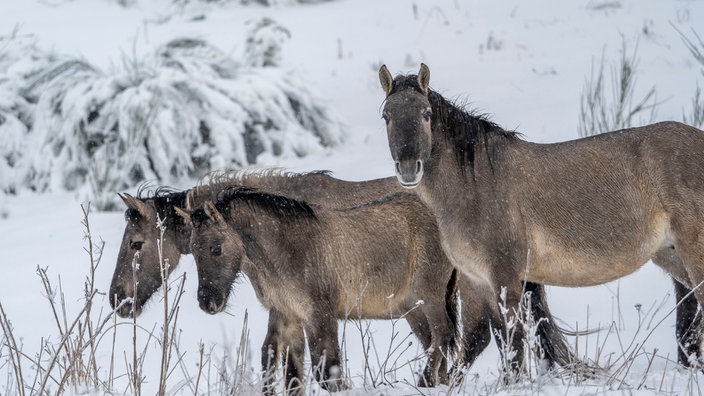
column 210, row 300
column 409, row 173
column 124, row 306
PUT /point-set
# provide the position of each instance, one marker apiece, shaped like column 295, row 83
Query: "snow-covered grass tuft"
column 696, row 49
column 171, row 116
column 609, row 105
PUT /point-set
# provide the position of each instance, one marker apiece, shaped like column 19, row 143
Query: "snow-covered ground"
column 525, row 63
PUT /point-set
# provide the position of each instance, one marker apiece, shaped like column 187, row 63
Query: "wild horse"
column 141, row 235
column 576, row 213
column 315, row 266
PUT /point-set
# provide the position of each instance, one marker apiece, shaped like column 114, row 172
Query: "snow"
column 525, row 63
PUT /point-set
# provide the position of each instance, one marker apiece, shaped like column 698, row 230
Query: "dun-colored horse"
column 315, row 266
column 141, row 235
column 143, row 212
column 576, row 213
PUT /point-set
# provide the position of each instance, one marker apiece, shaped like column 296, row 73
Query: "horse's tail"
column 452, row 303
column 551, row 336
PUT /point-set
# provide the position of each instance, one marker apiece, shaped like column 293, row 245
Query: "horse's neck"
column 266, row 239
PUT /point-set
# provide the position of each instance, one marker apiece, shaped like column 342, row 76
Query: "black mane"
column 164, row 200
column 461, row 128
column 277, row 205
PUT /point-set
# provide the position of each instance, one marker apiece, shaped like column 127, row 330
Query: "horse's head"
column 408, row 114
column 138, row 271
column 218, row 253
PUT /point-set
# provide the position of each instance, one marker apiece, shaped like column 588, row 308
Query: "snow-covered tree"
column 169, row 117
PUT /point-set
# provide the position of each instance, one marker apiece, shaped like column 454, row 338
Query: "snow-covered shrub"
column 20, row 59
column 264, row 41
column 170, row 117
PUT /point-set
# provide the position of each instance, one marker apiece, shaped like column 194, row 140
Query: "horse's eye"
column 136, row 245
column 385, row 118
column 216, row 250
column 427, row 115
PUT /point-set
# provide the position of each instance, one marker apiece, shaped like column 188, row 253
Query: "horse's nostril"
column 398, row 168
column 419, row 166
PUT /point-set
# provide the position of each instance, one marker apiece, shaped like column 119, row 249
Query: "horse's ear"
column 185, row 215
column 424, row 78
column 135, row 204
column 213, row 212
column 189, row 200
column 386, row 79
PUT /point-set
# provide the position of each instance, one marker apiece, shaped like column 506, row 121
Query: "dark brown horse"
column 576, row 213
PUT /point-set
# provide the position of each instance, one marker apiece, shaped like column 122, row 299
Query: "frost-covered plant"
column 696, row 48
column 264, row 41
column 20, row 58
column 171, row 116
column 600, row 113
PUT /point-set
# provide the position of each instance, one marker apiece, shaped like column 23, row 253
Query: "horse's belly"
column 579, row 272
column 372, row 307
column 588, row 258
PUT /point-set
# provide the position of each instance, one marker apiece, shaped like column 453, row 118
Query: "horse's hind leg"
column 442, row 338
column 687, row 327
column 689, row 245
column 688, row 319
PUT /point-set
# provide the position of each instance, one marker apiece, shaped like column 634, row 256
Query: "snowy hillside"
column 524, row 63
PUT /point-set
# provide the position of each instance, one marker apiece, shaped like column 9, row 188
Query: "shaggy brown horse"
column 577, row 213
column 315, row 266
column 141, row 235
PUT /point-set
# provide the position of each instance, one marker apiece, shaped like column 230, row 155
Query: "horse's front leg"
column 325, row 350
column 508, row 330
column 284, row 340
column 419, row 325
column 270, row 353
column 442, row 336
column 293, row 358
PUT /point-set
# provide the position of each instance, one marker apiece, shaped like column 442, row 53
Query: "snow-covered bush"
column 169, row 117
column 20, row 58
column 264, row 41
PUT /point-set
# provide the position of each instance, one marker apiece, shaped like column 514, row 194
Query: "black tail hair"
column 452, row 308
column 551, row 336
